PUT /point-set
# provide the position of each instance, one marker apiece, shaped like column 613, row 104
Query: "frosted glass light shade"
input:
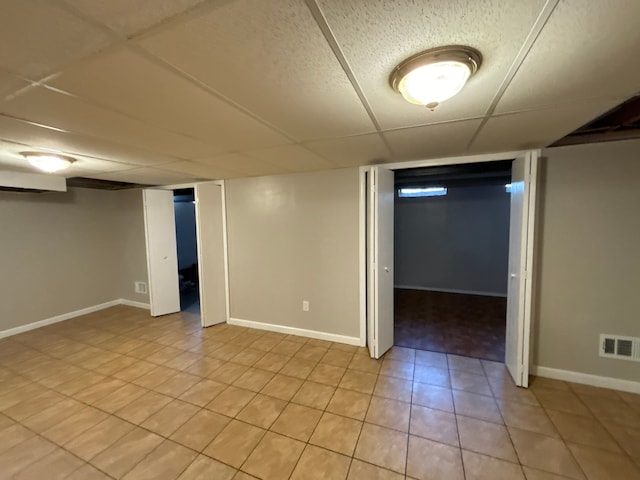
column 48, row 162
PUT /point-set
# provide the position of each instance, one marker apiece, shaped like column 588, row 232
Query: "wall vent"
column 616, row 346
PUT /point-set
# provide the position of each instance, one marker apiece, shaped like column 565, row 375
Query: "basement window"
column 414, row 192
column 507, row 188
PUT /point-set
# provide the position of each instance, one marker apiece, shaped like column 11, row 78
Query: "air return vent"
column 615, row 346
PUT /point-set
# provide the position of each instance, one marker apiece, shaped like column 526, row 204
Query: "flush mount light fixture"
column 48, row 162
column 433, row 76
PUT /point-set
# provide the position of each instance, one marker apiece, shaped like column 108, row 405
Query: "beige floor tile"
column 433, row 359
column 143, row 407
column 118, row 363
column 428, row 460
column 432, row 396
column 394, row 388
column 297, row 421
column 165, row 463
column 349, row 404
column 600, row 465
column 205, row 468
column 123, row 455
column 398, row 369
column 120, row 398
column 155, row 377
column 337, row 358
column 617, row 412
column 203, row 392
column 298, row 368
column 562, row 401
column 541, row 383
column 481, row 467
column 402, row 354
column 467, row 364
column 253, row 379
column 544, row 453
column 282, row 387
column 319, row 464
column 13, row 435
column 177, row 384
column 365, row 471
column 628, row 438
column 23, row 454
column 364, row 363
column 51, row 416
column 100, row 390
column 383, row 447
column 231, row 401
column 584, row 431
column 32, row 405
column 204, row 366
column 337, row 433
column 272, row 362
column 505, row 390
column 74, row 425
column 434, row 425
column 58, row 464
column 79, row 383
column 594, row 391
column 274, row 458
column 287, row 348
column 98, row 438
column 248, row 357
column 234, row 444
column 262, row 411
column 327, row 374
column 311, row 353
column 170, row 417
column 485, row 437
column 432, row 375
column 533, row 474
column 135, row 370
column 265, row 343
column 476, row 406
column 314, row 395
column 228, row 373
column 389, row 413
column 470, row 382
column 359, row 381
column 527, row 417
column 88, row 472
column 494, row 369
column 197, row 432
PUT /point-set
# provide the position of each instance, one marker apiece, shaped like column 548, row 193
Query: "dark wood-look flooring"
column 469, row 325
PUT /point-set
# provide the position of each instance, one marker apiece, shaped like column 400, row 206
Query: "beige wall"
column 62, row 252
column 589, row 257
column 294, row 238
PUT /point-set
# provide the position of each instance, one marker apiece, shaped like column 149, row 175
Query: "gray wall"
column 185, row 213
column 62, row 252
column 294, row 238
column 589, row 263
column 457, row 242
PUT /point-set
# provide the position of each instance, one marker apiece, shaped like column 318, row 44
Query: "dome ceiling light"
column 48, row 162
column 433, row 76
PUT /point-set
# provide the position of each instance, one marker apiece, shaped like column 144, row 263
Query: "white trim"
column 225, row 248
column 362, row 258
column 59, row 318
column 133, row 303
column 451, row 290
column 301, row 332
column 487, row 157
column 587, row 379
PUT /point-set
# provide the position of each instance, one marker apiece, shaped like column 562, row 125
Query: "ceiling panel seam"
column 537, row 27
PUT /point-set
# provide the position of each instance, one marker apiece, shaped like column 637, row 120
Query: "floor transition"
column 117, row 394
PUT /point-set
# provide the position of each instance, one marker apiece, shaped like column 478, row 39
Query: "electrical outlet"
column 305, row 305
column 141, row 287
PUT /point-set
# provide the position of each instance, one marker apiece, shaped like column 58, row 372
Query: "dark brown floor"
column 469, row 325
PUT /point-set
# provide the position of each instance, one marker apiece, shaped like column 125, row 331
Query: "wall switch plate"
column 305, row 305
column 141, row 287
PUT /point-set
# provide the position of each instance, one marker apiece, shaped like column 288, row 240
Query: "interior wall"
column 63, row 252
column 293, row 238
column 132, row 244
column 458, row 242
column 588, row 259
column 185, row 213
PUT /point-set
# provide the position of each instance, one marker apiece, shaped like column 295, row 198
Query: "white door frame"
column 458, row 160
column 225, row 239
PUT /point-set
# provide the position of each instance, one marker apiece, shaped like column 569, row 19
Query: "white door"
column 162, row 253
column 380, row 271
column 520, row 284
column 212, row 265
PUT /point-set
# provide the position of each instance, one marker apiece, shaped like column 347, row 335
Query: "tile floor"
column 116, row 394
column 469, row 325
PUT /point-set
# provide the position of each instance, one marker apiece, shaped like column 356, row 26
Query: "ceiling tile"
column 536, row 128
column 40, row 37
column 244, row 165
column 65, row 112
column 293, row 158
column 10, row 83
column 129, row 83
column 148, row 176
column 271, row 58
column 432, row 141
column 37, row 137
column 200, row 170
column 127, row 17
column 375, row 36
column 587, row 50
column 352, row 151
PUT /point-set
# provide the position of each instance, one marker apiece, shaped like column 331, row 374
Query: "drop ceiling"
column 174, row 91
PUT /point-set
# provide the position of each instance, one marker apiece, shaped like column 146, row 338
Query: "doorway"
column 451, row 254
column 184, row 206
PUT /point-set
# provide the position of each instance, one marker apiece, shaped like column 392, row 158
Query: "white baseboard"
column 66, row 316
column 587, row 379
column 301, row 332
column 450, row 290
